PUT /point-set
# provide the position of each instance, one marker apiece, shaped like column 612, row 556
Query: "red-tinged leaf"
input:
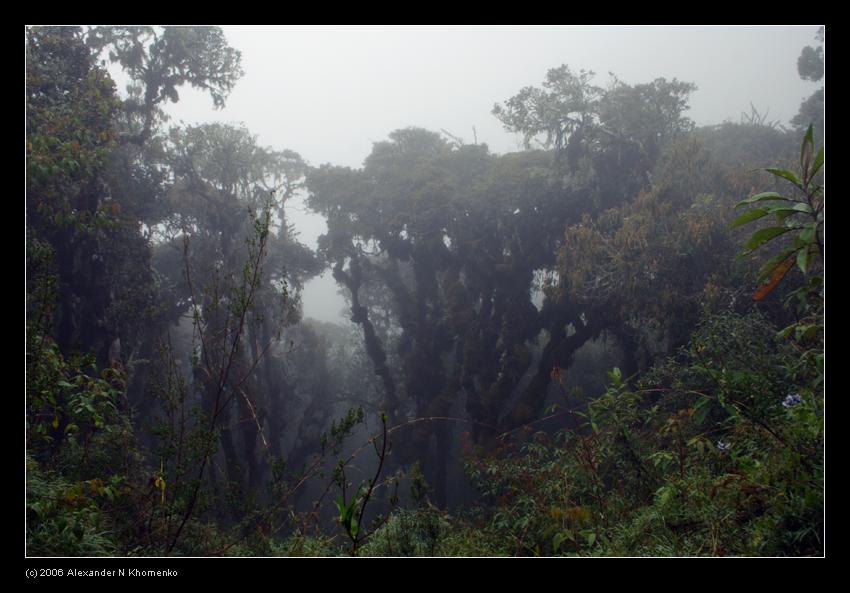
column 775, row 278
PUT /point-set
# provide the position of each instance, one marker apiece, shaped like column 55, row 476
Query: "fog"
column 329, row 93
column 425, row 291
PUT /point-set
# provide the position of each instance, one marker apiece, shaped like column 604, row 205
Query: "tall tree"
column 811, row 65
column 220, row 174
column 607, row 140
column 459, row 240
column 159, row 60
column 104, row 282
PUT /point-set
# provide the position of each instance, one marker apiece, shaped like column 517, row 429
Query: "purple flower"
column 723, row 446
column 792, row 400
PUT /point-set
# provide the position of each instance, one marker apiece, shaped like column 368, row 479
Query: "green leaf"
column 701, row 410
column 803, row 260
column 798, row 207
column 591, row 539
column 772, row 263
column 817, row 164
column 807, row 235
column 806, row 332
column 783, row 215
column 785, row 333
column 348, row 512
column 785, row 174
column 749, row 216
column 557, row 541
column 806, row 149
column 762, row 236
column 762, row 197
column 616, row 376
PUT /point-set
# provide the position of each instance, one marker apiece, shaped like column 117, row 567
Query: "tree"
column 458, row 240
column 107, row 196
column 607, row 140
column 564, row 111
column 635, row 124
column 811, row 66
column 101, row 256
column 159, row 60
column 88, row 287
column 645, row 265
column 220, row 176
column 609, row 144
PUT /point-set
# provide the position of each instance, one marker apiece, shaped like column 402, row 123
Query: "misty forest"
column 608, row 342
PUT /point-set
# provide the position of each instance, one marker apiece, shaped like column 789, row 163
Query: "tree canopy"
column 594, row 346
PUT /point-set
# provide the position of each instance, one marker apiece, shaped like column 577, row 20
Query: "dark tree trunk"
column 558, row 352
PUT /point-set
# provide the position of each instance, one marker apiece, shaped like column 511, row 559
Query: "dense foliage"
column 560, row 351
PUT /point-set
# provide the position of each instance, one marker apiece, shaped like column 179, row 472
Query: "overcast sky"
column 330, row 92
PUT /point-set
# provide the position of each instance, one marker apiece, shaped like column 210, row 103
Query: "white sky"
column 330, row 92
